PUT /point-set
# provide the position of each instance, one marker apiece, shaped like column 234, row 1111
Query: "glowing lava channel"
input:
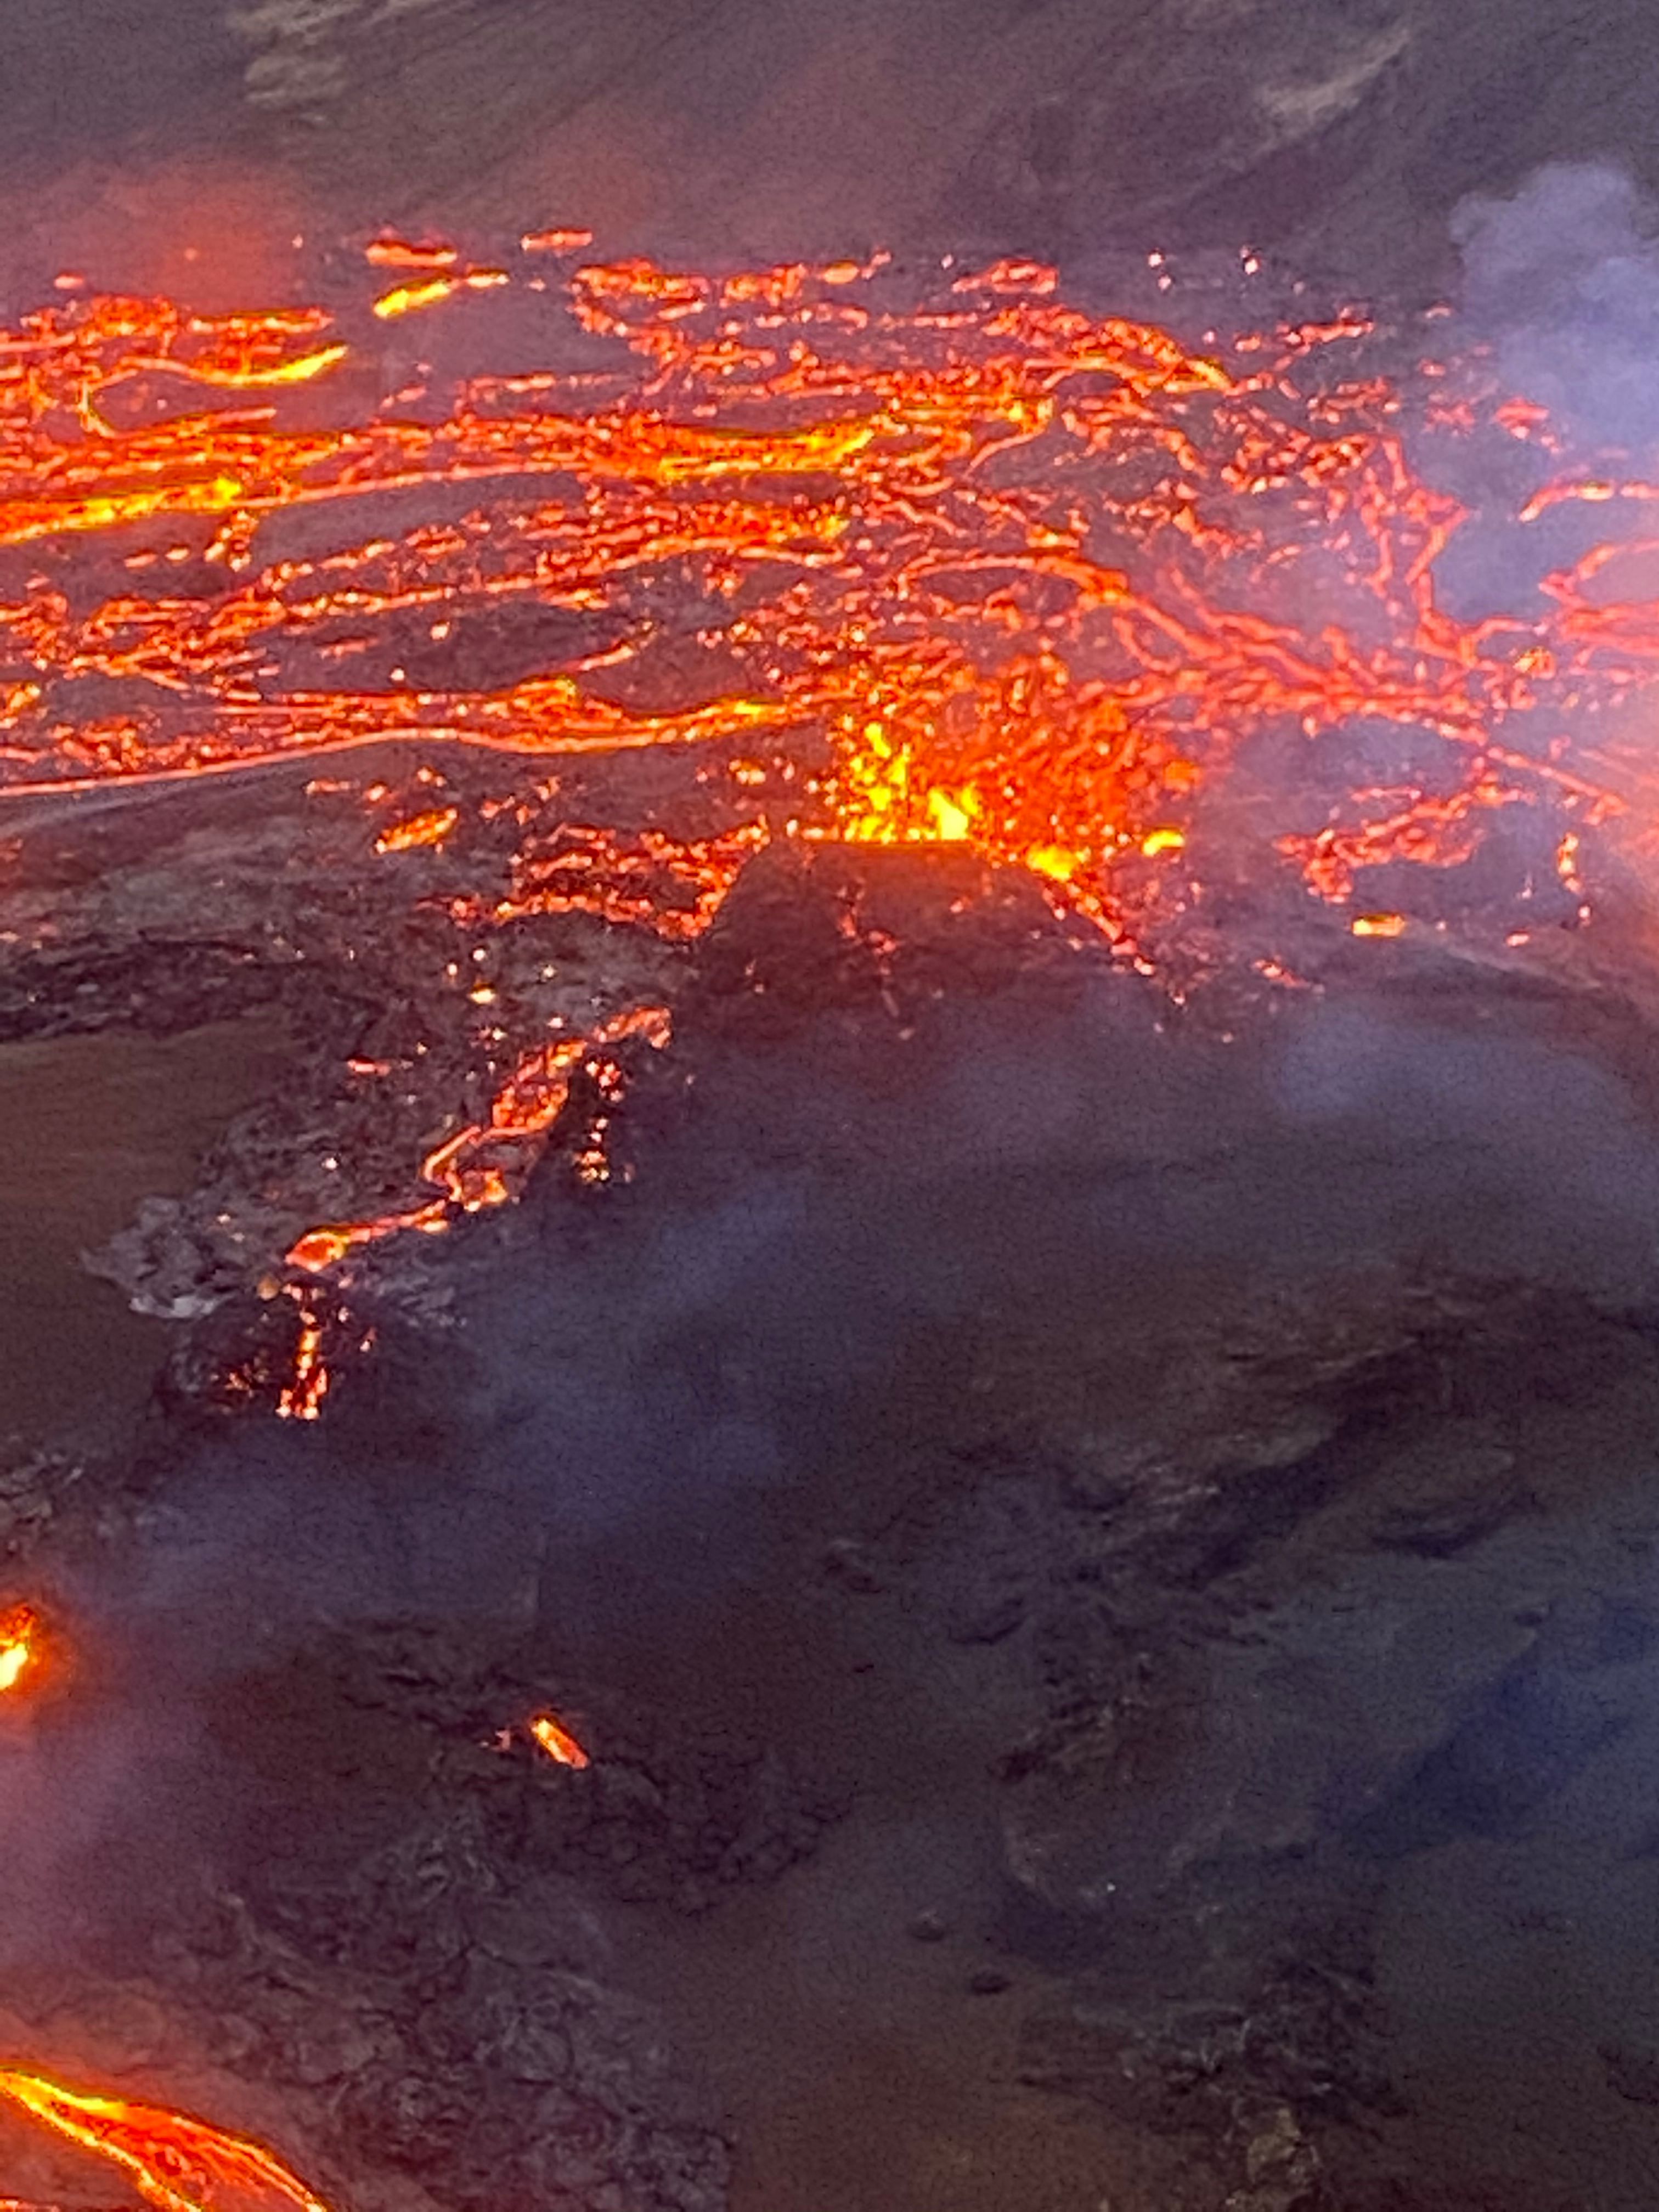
column 176, row 2163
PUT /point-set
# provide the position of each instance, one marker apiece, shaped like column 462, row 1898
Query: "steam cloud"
column 1564, row 276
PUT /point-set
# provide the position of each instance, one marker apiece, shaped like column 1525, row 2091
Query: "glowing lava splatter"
column 556, row 1741
column 20, row 1633
column 176, row 2163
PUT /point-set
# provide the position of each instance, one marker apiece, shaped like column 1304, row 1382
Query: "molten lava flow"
column 176, row 2163
column 20, row 1627
column 1037, row 574
column 891, row 561
column 478, row 1166
column 556, row 1741
column 302, row 1395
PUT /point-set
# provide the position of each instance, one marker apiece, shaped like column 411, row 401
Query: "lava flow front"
column 177, row 2164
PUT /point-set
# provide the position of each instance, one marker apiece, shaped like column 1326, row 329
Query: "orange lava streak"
column 177, row 2164
column 404, row 299
column 672, row 887
column 301, row 1397
column 477, row 1167
column 428, row 829
column 399, row 254
column 470, row 1165
column 556, row 1741
column 1433, row 832
column 321, row 1248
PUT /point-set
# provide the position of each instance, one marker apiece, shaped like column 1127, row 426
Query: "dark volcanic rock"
column 858, row 931
column 439, row 2016
column 1411, row 1635
column 1446, row 1491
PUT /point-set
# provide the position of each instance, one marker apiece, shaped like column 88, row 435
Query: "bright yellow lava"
column 19, row 1629
column 177, row 2164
